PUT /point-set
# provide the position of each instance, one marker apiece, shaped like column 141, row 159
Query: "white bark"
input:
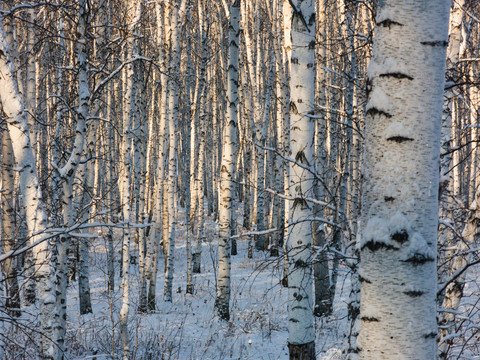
column 454, row 290
column 400, row 205
column 227, row 174
column 12, row 302
column 323, row 301
column 301, row 334
column 30, row 98
column 125, row 179
column 286, row 55
column 36, row 217
column 173, row 85
column 67, row 173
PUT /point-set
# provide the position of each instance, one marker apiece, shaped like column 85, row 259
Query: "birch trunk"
column 36, row 217
column 227, row 172
column 173, row 85
column 30, row 100
column 157, row 229
column 454, row 290
column 323, row 299
column 400, row 200
column 286, row 55
column 301, row 334
column 67, row 173
column 12, row 302
column 448, row 140
column 125, row 178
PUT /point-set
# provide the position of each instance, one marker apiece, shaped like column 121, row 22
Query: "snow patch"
column 332, row 354
column 384, row 14
column 380, row 101
column 390, row 191
column 376, row 231
column 398, row 223
column 389, row 65
column 397, row 130
column 369, row 311
column 418, row 247
column 413, row 289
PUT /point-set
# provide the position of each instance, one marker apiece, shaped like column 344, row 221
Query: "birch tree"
column 173, row 90
column 67, row 172
column 36, row 217
column 125, row 179
column 12, row 303
column 227, row 174
column 301, row 334
column 400, row 200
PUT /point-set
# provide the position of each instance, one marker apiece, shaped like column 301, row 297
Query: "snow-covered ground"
column 187, row 328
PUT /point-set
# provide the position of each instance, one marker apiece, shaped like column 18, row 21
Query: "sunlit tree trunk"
column 36, row 217
column 227, row 170
column 301, row 333
column 286, row 56
column 173, row 84
column 323, row 301
column 400, row 199
column 12, row 302
column 125, row 176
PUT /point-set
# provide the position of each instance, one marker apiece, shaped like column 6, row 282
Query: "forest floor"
column 188, row 328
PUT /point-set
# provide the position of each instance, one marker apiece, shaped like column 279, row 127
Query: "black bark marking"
column 435, row 43
column 294, row 60
column 369, row 319
column 300, row 202
column 414, row 293
column 400, row 236
column 300, row 264
column 293, row 108
column 397, row 75
column 301, row 158
column 374, row 111
column 363, row 280
column 431, row 335
column 369, row 87
column 375, row 246
column 388, row 23
column 388, row 198
column 418, row 259
column 456, row 287
column 399, row 139
column 311, row 45
column 353, row 311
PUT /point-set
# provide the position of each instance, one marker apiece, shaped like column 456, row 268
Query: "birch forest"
column 239, row 179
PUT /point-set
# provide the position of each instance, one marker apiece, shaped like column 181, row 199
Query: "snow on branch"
column 314, row 218
column 469, row 60
column 310, row 169
column 53, row 232
column 455, row 275
column 250, row 233
column 32, row 6
column 100, row 86
column 314, row 201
